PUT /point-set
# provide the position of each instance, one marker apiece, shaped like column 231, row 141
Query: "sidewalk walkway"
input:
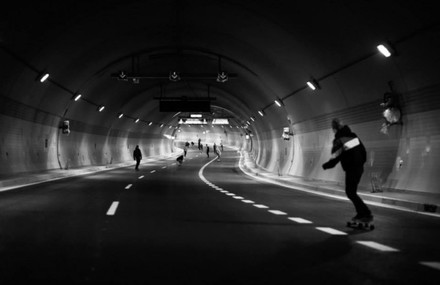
column 426, row 203
column 25, row 179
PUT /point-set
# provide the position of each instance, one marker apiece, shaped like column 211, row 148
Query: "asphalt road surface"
column 203, row 222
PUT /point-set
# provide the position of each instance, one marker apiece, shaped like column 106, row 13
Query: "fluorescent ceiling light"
column 196, row 115
column 120, row 115
column 261, row 113
column 150, row 123
column 220, row 122
column 278, row 103
column 77, row 97
column 137, row 120
column 384, row 50
column 44, row 77
column 101, row 108
column 311, row 85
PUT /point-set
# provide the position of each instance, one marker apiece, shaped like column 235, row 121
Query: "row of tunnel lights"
column 384, row 49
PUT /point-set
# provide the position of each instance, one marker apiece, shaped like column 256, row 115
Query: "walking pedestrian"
column 137, row 155
column 207, row 150
column 348, row 149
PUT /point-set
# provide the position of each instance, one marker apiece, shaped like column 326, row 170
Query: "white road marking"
column 261, row 206
column 377, row 246
column 248, row 201
column 112, row 210
column 331, row 231
column 152, row 171
column 128, row 186
column 432, row 264
column 230, row 194
column 276, row 212
column 238, row 197
column 140, row 177
column 164, row 167
column 300, row 220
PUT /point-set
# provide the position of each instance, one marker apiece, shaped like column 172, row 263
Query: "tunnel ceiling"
column 269, row 48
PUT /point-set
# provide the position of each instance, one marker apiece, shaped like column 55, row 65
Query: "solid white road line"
column 331, row 231
column 377, row 246
column 112, row 210
column 300, row 220
column 128, row 186
column 435, row 265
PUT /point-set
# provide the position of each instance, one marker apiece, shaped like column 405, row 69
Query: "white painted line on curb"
column 331, row 231
column 276, row 212
column 300, row 220
column 112, row 210
column 128, row 186
column 377, row 246
column 432, row 264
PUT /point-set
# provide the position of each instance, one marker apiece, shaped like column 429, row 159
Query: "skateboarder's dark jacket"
column 347, row 149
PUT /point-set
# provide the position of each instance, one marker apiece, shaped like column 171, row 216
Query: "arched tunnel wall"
column 33, row 141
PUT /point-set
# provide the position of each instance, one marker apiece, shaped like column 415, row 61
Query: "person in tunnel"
column 207, row 150
column 137, row 155
column 348, row 149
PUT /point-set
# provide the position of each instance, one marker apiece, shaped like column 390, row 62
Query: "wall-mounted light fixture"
column 222, row 77
column 101, row 108
column 150, row 123
column 253, row 118
column 137, row 120
column 174, row 76
column 385, row 49
column 161, row 125
column 120, row 115
column 261, row 112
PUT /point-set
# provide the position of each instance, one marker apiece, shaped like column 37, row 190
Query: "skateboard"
column 360, row 225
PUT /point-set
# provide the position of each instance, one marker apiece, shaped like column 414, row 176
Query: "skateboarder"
column 349, row 150
column 137, row 155
column 179, row 159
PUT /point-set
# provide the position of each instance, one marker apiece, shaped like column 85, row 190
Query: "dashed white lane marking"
column 435, row 265
column 128, row 186
column 261, row 206
column 230, row 194
column 300, row 220
column 238, row 197
column 112, row 210
column 164, row 167
column 276, row 212
column 140, row 177
column 152, row 171
column 331, row 231
column 248, row 201
column 377, row 246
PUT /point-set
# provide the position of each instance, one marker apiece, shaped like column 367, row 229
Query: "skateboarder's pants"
column 352, row 179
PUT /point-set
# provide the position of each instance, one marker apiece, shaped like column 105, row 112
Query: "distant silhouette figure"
column 207, row 150
column 137, row 155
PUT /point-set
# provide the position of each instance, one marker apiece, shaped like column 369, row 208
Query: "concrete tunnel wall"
column 351, row 88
